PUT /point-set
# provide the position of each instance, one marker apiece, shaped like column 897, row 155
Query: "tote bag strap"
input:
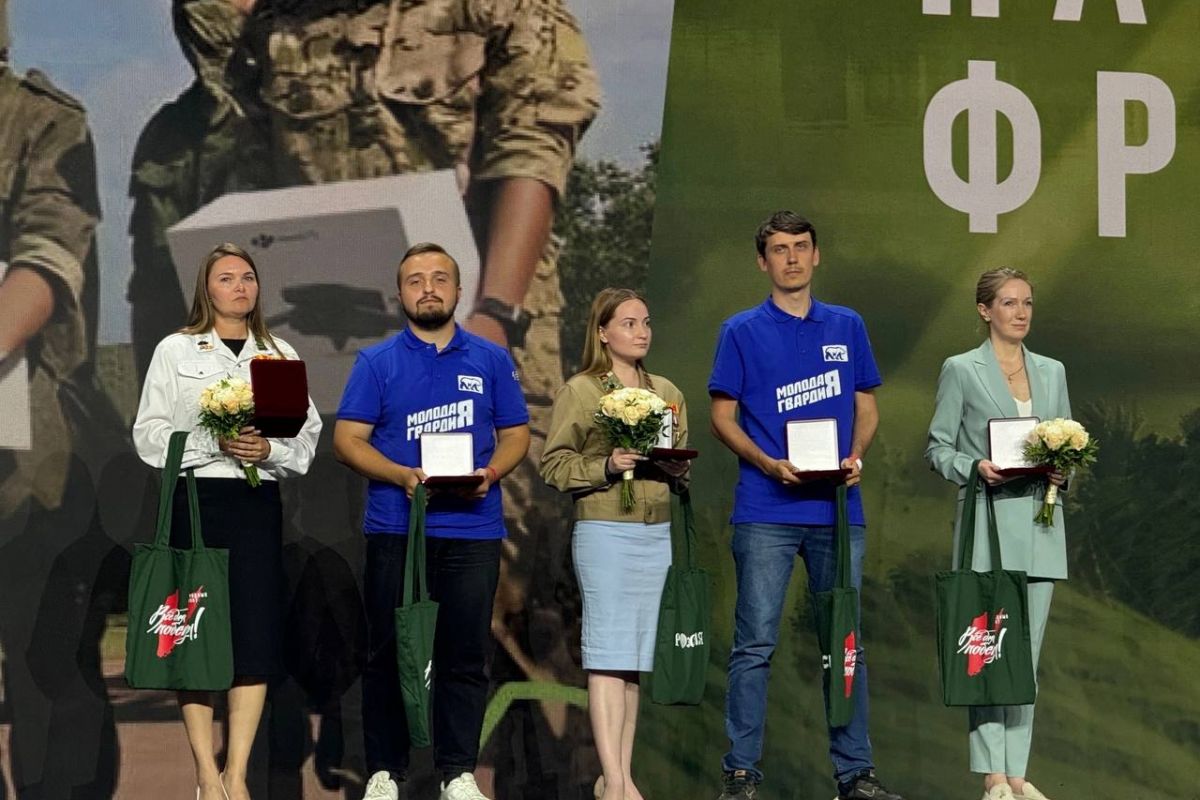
column 966, row 529
column 414, row 560
column 166, row 495
column 842, row 533
column 689, row 530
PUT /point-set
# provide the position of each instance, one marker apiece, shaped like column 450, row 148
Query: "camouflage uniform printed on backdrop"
column 299, row 93
column 57, row 570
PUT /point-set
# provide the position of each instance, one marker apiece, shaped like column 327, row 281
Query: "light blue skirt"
column 621, row 567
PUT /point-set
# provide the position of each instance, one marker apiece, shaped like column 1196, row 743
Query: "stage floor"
column 155, row 762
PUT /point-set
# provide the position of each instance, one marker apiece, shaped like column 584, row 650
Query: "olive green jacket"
column 48, row 213
column 577, row 449
column 494, row 88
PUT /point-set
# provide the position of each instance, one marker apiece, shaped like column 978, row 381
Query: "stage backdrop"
column 145, row 123
column 929, row 141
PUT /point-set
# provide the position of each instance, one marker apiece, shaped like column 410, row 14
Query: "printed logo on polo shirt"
column 470, row 383
column 808, row 390
column 446, row 417
column 836, row 352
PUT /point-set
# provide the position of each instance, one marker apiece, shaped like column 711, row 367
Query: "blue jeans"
column 763, row 555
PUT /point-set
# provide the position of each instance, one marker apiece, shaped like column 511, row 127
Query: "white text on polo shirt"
column 448, row 417
column 809, row 390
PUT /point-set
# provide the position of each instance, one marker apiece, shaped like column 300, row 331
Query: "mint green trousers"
column 1000, row 735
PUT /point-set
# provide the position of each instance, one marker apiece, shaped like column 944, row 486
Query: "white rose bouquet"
column 632, row 419
column 1062, row 445
column 226, row 407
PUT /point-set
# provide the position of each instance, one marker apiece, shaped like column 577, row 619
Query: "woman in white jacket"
column 224, row 333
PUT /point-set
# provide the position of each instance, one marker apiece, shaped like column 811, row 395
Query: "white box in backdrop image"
column 327, row 256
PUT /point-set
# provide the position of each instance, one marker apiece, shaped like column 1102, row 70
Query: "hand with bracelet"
column 504, row 323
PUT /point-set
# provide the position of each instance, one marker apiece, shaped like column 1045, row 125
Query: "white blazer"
column 183, row 366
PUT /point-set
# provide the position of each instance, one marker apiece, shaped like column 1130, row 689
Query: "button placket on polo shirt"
column 432, row 354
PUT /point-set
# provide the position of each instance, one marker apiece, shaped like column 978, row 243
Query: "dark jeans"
column 462, row 578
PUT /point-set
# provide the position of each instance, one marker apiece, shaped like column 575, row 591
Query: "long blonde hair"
column 596, row 359
column 203, row 315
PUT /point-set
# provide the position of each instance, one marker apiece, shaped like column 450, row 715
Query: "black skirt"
column 248, row 522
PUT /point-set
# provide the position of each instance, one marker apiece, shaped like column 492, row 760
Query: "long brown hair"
column 203, row 315
column 596, row 359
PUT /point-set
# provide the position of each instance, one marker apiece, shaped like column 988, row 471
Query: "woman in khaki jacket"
column 621, row 557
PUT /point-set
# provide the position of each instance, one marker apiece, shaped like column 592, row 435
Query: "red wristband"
column 492, row 474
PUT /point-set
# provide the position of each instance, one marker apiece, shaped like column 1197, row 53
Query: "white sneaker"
column 1001, row 791
column 462, row 788
column 382, row 787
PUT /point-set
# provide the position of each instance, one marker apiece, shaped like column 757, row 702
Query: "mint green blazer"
column 971, row 390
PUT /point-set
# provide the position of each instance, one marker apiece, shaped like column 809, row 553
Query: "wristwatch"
column 514, row 319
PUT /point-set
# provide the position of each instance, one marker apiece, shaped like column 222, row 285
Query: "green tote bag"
column 682, row 641
column 983, row 622
column 179, row 630
column 836, row 614
column 416, row 623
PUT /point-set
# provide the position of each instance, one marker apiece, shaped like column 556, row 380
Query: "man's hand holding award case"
column 812, row 449
column 665, row 449
column 448, row 460
column 280, row 389
column 1007, row 437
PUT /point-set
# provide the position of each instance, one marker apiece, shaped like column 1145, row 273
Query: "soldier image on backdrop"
column 194, row 149
column 53, row 695
column 500, row 91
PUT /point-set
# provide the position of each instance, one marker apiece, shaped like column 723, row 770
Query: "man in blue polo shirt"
column 433, row 376
column 790, row 358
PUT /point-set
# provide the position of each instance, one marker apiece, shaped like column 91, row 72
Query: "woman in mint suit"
column 1001, row 378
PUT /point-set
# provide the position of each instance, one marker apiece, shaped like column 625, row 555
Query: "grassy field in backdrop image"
column 820, row 107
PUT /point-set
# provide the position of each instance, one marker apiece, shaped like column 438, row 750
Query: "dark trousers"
column 462, row 577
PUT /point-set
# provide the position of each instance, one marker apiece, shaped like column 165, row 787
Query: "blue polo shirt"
column 780, row 368
column 405, row 387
